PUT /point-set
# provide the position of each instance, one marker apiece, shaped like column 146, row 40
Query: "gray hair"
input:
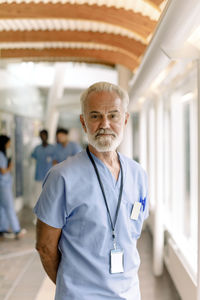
column 105, row 87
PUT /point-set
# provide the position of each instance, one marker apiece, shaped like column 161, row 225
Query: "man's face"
column 104, row 120
column 61, row 138
column 43, row 137
column 8, row 144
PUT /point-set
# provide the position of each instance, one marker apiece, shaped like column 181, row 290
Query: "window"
column 180, row 167
column 151, row 156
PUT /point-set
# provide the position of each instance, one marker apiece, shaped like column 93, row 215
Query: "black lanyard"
column 103, row 192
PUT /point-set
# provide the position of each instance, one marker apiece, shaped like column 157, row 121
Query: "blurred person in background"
column 4, row 225
column 43, row 154
column 7, row 209
column 64, row 148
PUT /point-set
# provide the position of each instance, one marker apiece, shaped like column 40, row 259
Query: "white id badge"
column 136, row 210
column 116, row 261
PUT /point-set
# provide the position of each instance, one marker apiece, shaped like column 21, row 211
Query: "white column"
column 126, row 146
column 55, row 93
column 143, row 137
column 52, row 125
column 158, row 240
column 198, row 187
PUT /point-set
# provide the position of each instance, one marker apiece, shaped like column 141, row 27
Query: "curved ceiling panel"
column 108, row 31
column 145, row 7
column 127, row 19
column 101, row 56
column 130, row 45
column 66, row 24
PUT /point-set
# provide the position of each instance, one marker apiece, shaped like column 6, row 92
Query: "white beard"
column 105, row 143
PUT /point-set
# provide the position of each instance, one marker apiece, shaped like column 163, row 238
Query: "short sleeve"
column 76, row 148
column 145, row 196
column 51, row 205
column 34, row 153
column 3, row 162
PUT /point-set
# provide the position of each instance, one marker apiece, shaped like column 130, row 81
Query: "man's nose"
column 104, row 122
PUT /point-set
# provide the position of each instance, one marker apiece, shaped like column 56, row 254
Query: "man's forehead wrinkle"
column 99, row 112
column 99, row 105
column 107, row 97
column 101, row 93
column 103, row 103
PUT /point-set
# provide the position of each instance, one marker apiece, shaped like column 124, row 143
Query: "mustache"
column 104, row 131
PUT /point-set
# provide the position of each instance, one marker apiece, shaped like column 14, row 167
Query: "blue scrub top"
column 72, row 200
column 62, row 153
column 4, row 178
column 44, row 160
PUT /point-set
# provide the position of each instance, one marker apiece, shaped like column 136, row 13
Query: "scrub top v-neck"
column 72, row 200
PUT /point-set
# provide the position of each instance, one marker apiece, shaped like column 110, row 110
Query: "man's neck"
column 64, row 144
column 110, row 158
column 44, row 144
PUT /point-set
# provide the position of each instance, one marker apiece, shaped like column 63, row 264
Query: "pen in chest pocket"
column 137, row 207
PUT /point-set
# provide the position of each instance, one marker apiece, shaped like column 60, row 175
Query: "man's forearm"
column 47, row 240
column 50, row 261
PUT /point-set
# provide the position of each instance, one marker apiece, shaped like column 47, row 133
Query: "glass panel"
column 180, row 162
column 186, row 148
column 151, row 155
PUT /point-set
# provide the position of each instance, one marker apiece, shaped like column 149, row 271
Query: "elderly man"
column 92, row 207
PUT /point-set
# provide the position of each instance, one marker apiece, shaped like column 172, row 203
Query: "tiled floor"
column 21, row 273
column 153, row 288
column 22, row 276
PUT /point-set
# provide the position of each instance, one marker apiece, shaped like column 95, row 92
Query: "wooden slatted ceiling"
column 88, row 60
column 130, row 45
column 102, row 56
column 135, row 22
column 155, row 2
column 127, row 50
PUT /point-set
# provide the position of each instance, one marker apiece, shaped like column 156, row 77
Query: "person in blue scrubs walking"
column 9, row 220
column 64, row 148
column 92, row 208
column 43, row 154
column 4, row 224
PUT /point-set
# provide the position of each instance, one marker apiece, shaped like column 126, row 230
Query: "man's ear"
column 126, row 118
column 83, row 123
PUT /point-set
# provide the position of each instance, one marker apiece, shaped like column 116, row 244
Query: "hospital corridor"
column 22, row 276
column 99, row 150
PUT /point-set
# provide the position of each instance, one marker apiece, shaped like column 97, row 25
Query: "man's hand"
column 10, row 165
column 6, row 170
column 47, row 245
column 54, row 162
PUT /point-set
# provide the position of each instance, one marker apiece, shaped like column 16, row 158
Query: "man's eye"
column 94, row 116
column 114, row 116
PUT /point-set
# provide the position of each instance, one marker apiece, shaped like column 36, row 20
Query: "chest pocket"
column 135, row 226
